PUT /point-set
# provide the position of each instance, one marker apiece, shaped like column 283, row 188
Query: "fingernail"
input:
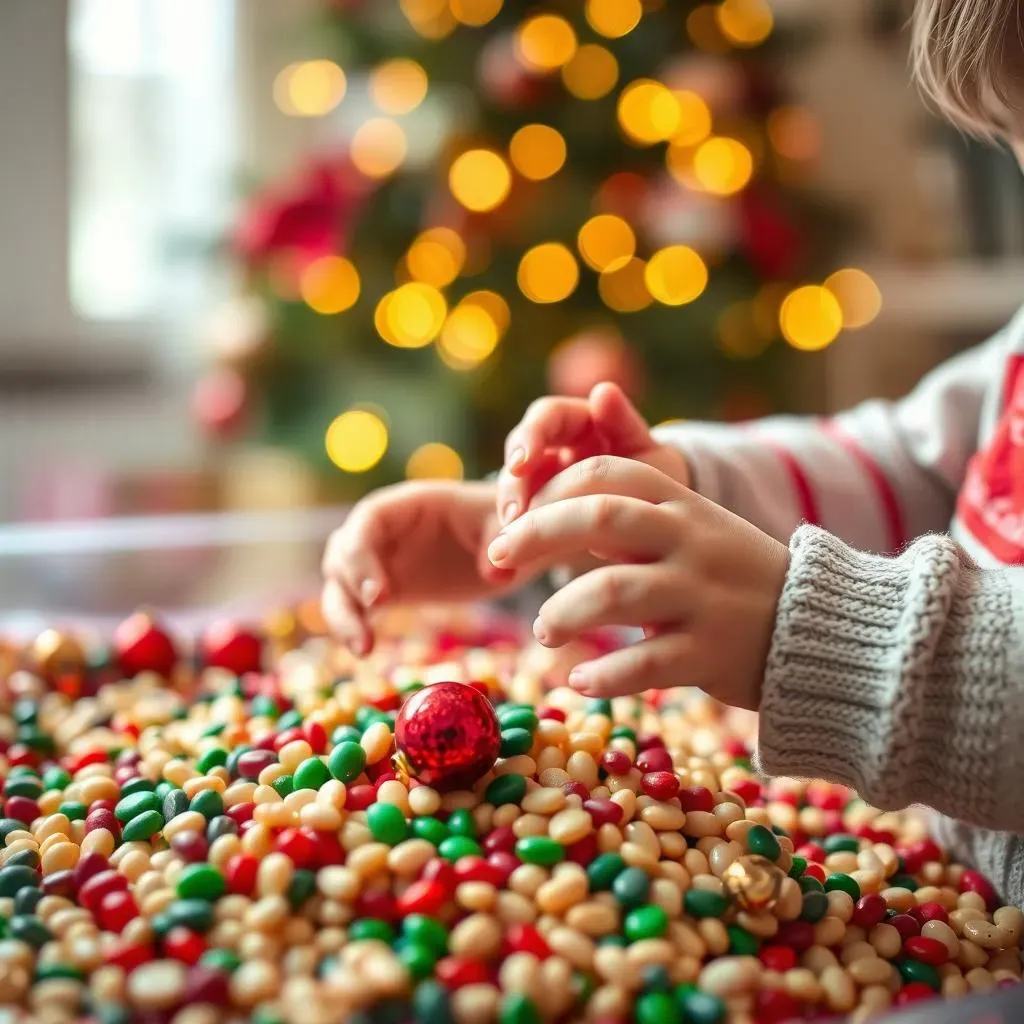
column 539, row 631
column 360, row 646
column 509, row 512
column 578, row 679
column 516, row 458
column 498, row 550
column 369, row 591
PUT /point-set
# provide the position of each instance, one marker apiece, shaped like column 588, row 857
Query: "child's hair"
column 962, row 56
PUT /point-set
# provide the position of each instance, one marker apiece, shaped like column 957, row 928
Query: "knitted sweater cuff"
column 888, row 675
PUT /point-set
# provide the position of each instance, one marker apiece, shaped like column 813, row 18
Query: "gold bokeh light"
column 858, row 296
column 480, row 179
column 537, row 151
column 493, row 305
column 810, row 318
column 379, row 147
column 411, row 316
column 329, row 285
column 468, row 337
column 545, row 42
column 614, row 18
column 694, row 119
column 606, row 240
column 744, row 22
column 356, row 441
column 434, row 461
column 648, row 112
column 623, row 287
column 310, row 88
column 548, row 273
column 592, row 72
column 436, row 257
column 723, row 166
column 398, row 86
column 475, row 12
column 676, row 275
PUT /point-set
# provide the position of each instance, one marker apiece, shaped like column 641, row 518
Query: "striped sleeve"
column 876, row 476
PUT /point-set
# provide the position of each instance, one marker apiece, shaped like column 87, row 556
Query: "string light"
column 414, row 314
column 694, row 119
column 480, row 179
column 548, row 273
column 432, row 19
column 356, row 441
column 648, row 112
column 398, row 86
column 537, row 151
column 795, row 134
column 810, row 318
column 545, row 42
column 592, row 73
column 723, row 166
column 676, row 275
column 311, row 88
column 468, row 337
column 858, row 296
column 493, row 305
column 605, row 241
column 379, row 147
column 436, row 257
column 623, row 287
column 614, row 18
column 744, row 22
column 475, row 12
column 434, row 461
column 703, row 29
column 329, row 285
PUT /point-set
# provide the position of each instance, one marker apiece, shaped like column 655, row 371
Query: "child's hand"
column 701, row 582
column 411, row 542
column 557, row 432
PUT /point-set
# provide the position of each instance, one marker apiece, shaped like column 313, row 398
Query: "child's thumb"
column 617, row 418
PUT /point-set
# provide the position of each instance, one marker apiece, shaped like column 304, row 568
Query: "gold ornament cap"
column 753, row 882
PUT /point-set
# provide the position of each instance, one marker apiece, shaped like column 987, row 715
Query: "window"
column 151, row 151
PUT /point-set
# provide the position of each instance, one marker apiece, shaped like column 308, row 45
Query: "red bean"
column 476, row 869
column 22, row 809
column 241, row 813
column 505, row 862
column 773, row 1006
column 381, row 903
column 102, row 818
column 438, row 870
column 778, row 958
column 797, row 934
column 655, row 759
column 115, row 910
column 128, row 956
column 359, row 798
column 603, row 812
column 576, row 789
column 91, row 864
column 502, row 838
column 206, row 985
column 869, row 911
column 974, row 881
column 816, row 871
column 920, row 853
column 811, row 852
column 295, row 845
column 583, row 851
column 915, row 992
column 905, row 925
column 660, row 785
column 184, row 945
column 240, row 874
column 93, row 891
column 697, row 798
column 748, row 790
column 190, row 846
column 524, row 938
column 456, row 971
column 551, row 714
column 423, row 897
column 616, row 763
column 648, row 741
column 925, row 912
column 931, row 951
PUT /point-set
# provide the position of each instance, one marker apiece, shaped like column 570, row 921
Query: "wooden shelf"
column 957, row 296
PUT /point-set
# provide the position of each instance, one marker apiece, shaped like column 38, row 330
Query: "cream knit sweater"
column 899, row 673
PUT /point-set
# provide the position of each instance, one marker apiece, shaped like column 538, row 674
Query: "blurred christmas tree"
column 531, row 198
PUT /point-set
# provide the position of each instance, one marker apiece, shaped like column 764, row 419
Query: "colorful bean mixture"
column 219, row 844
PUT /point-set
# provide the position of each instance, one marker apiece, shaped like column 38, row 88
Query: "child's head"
column 969, row 57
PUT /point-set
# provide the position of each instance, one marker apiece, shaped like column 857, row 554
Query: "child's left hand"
column 702, row 583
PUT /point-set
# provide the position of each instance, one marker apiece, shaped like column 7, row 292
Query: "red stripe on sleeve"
column 809, row 512
column 894, row 521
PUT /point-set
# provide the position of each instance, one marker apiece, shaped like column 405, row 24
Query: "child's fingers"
column 344, row 619
column 655, row 664
column 516, row 492
column 618, row 420
column 353, row 551
column 549, row 423
column 607, row 474
column 614, row 595
column 607, row 525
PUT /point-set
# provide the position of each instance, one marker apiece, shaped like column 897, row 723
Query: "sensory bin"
column 228, row 833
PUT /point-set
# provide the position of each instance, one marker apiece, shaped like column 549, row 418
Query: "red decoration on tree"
column 503, row 78
column 447, row 736
column 591, row 358
column 770, row 239
column 221, row 402
column 229, row 646
column 311, row 218
column 140, row 645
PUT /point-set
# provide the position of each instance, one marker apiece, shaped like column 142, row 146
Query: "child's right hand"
column 556, row 432
column 411, row 542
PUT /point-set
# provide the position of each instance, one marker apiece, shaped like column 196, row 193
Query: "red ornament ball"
column 141, row 645
column 229, row 646
column 447, row 735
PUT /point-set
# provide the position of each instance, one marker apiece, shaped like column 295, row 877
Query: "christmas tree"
column 525, row 198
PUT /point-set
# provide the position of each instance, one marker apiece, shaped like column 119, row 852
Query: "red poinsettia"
column 309, row 217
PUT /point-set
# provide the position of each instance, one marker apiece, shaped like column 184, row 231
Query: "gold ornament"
column 753, row 882
column 400, row 766
column 54, row 654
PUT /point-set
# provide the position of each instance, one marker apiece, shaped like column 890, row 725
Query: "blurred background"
column 269, row 254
